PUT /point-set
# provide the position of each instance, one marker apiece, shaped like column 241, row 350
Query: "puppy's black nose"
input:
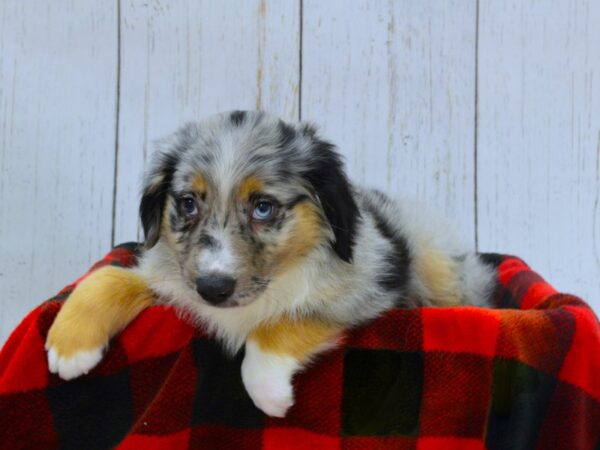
column 215, row 289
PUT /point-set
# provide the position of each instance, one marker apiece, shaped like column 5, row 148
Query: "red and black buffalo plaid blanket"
column 525, row 375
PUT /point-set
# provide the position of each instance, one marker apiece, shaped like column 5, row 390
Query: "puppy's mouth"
column 227, row 304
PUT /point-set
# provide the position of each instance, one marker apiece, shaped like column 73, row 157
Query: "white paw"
column 273, row 396
column 268, row 380
column 74, row 366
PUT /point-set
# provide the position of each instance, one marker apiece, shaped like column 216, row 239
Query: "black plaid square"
column 221, row 397
column 520, row 397
column 92, row 412
column 382, row 392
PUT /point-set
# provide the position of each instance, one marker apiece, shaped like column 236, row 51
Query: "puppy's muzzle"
column 215, row 288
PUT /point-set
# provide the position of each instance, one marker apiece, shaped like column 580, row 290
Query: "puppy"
column 253, row 229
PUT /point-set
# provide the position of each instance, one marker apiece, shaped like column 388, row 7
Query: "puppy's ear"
column 157, row 184
column 328, row 179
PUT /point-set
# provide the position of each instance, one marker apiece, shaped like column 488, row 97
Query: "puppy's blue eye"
column 263, row 210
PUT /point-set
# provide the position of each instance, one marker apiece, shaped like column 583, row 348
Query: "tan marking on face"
column 165, row 225
column 298, row 338
column 439, row 275
column 199, row 184
column 308, row 231
column 100, row 307
column 250, row 186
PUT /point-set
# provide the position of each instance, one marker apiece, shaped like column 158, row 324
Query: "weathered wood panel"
column 392, row 84
column 57, row 143
column 539, row 137
column 184, row 60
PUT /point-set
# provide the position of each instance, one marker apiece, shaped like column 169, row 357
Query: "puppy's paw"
column 74, row 350
column 273, row 395
column 75, row 343
column 268, row 380
column 69, row 367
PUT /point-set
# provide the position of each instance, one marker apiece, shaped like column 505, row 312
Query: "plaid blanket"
column 524, row 375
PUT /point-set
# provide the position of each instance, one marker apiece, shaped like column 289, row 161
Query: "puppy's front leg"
column 275, row 352
column 100, row 307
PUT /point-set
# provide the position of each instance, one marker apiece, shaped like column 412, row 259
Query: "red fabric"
column 523, row 375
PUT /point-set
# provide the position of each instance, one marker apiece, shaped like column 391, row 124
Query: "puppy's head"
column 242, row 197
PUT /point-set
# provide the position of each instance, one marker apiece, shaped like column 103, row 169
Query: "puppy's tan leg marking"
column 275, row 352
column 296, row 338
column 438, row 273
column 99, row 308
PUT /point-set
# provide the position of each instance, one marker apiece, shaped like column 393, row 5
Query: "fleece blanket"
column 524, row 375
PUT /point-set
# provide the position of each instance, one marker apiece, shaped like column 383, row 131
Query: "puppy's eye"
column 187, row 206
column 263, row 210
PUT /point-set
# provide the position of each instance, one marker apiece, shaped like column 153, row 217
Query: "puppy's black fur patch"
column 154, row 196
column 396, row 277
column 287, row 134
column 238, row 117
column 327, row 177
column 208, row 241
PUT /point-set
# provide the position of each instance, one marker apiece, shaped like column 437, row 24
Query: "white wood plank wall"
column 487, row 111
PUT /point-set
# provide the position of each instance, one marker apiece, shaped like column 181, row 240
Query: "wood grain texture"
column 392, row 84
column 539, row 138
column 57, row 136
column 184, row 60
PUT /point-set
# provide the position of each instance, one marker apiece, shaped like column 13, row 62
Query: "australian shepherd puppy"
column 253, row 230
